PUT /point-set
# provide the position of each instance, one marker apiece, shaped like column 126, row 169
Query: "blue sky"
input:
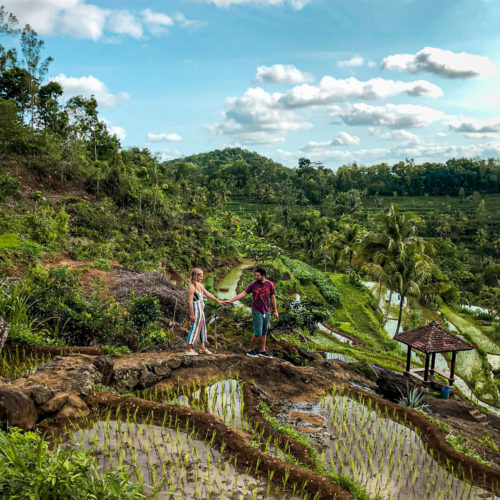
column 337, row 81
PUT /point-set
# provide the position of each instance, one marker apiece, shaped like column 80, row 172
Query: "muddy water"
column 226, row 287
column 387, row 458
column 173, row 461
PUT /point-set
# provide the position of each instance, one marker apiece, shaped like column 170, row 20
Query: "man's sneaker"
column 265, row 354
column 253, row 354
column 192, row 352
column 205, row 351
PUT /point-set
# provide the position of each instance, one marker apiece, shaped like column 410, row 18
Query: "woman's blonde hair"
column 194, row 274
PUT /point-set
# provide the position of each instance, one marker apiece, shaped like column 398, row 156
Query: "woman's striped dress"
column 198, row 330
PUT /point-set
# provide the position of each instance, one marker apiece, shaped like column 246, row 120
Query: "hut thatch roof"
column 432, row 338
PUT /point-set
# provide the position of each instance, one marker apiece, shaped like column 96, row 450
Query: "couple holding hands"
column 262, row 298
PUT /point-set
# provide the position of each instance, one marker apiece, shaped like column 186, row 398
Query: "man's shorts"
column 260, row 323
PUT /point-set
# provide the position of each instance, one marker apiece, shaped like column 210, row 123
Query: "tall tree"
column 395, row 232
column 347, row 240
column 8, row 27
column 407, row 273
column 36, row 66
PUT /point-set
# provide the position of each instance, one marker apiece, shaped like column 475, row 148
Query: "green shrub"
column 144, row 311
column 9, row 186
column 30, row 470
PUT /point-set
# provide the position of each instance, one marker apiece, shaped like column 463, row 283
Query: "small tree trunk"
column 389, row 305
column 400, row 312
column 379, row 294
column 4, row 333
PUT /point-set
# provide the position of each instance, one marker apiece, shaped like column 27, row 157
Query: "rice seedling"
column 385, row 456
column 173, row 461
column 15, row 363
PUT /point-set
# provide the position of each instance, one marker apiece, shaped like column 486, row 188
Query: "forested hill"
column 256, row 176
column 220, row 158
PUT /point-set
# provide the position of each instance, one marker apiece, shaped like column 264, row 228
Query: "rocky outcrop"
column 17, row 410
column 57, row 390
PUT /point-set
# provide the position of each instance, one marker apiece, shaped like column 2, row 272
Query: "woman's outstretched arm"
column 211, row 296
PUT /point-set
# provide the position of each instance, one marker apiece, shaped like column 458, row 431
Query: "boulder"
column 174, row 363
column 104, row 365
column 17, row 410
column 147, row 378
column 54, row 404
column 162, row 369
column 125, row 379
column 75, row 407
column 40, row 394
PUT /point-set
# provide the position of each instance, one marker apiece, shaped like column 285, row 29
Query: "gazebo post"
column 408, row 360
column 452, row 369
column 426, row 370
column 433, row 363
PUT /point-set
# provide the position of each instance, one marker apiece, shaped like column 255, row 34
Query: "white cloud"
column 83, row 21
column 492, row 99
column 157, row 22
column 332, row 90
column 342, row 139
column 351, row 63
column 345, row 139
column 280, row 73
column 423, row 151
column 120, row 132
column 80, row 19
column 336, row 155
column 122, row 22
column 258, row 118
column 402, row 136
column 444, row 152
column 295, row 4
column 183, row 22
column 396, row 116
column 443, row 63
column 476, row 125
column 87, row 86
column 481, row 136
column 42, row 15
column 170, row 137
column 169, row 154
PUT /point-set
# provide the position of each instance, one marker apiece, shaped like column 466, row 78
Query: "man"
column 262, row 297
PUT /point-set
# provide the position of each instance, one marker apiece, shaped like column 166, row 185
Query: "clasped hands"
column 223, row 302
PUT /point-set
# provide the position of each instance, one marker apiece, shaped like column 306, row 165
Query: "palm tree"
column 263, row 224
column 396, row 231
column 347, row 241
column 407, row 274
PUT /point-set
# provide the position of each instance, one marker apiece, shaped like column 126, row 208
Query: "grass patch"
column 9, row 240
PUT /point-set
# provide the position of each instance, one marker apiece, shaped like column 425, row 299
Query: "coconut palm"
column 407, row 274
column 347, row 241
column 396, row 231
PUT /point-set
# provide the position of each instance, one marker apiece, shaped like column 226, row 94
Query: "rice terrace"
column 249, row 249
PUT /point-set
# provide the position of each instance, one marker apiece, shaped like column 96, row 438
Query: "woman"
column 196, row 298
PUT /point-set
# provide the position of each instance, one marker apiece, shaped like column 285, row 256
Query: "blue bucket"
column 445, row 392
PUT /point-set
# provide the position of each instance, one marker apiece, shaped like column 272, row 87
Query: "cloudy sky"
column 337, row 81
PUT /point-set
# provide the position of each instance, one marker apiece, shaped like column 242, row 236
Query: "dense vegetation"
column 426, row 235
column 68, row 185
